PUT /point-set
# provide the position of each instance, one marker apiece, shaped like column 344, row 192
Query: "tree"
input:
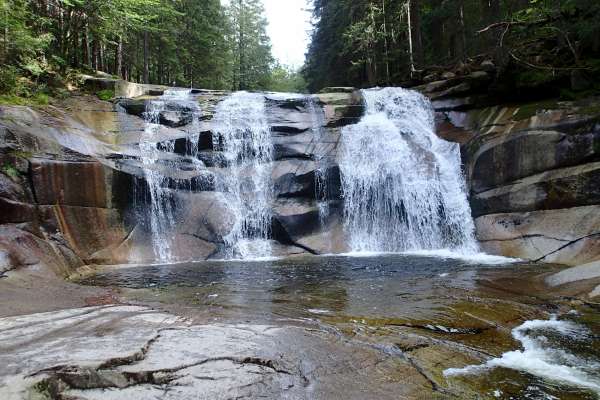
column 252, row 57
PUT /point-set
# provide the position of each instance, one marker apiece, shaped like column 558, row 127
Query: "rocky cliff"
column 532, row 169
column 72, row 187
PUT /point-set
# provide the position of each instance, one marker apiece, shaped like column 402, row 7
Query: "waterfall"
column 154, row 151
column 243, row 135
column 321, row 188
column 403, row 186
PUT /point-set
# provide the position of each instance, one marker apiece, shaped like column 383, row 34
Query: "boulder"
column 294, row 178
column 567, row 236
column 488, row 66
column 175, row 119
column 519, row 155
column 21, row 248
column 290, row 115
column 205, row 216
column 337, row 89
column 560, row 188
column 72, row 183
column 135, row 107
column 341, row 108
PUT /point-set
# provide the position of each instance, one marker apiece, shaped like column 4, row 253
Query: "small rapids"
column 403, row 186
column 543, row 355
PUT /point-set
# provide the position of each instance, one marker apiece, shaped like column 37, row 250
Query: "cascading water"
column 321, row 188
column 403, row 186
column 153, row 148
column 243, row 134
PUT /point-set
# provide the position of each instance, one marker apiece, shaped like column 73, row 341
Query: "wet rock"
column 337, row 89
column 448, row 75
column 341, row 108
column 488, row 66
column 83, row 184
column 519, row 155
column 207, row 216
column 568, row 236
column 294, row 178
column 560, row 188
column 289, row 115
column 135, row 107
column 297, row 217
column 575, row 274
column 175, row 119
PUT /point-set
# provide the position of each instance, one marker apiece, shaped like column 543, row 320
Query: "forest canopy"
column 385, row 42
column 181, row 42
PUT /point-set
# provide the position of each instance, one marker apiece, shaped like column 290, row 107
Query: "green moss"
column 106, row 94
column 529, row 110
column 10, row 170
column 534, row 78
column 38, row 99
column 21, row 154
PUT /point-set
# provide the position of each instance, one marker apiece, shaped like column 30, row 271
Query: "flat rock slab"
column 130, row 352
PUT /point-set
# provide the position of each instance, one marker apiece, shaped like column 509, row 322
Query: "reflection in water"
column 446, row 313
column 386, row 286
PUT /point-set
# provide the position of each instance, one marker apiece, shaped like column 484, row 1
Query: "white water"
column 317, row 116
column 161, row 199
column 403, row 186
column 542, row 358
column 243, row 134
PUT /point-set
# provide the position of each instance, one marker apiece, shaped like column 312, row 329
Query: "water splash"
column 543, row 356
column 152, row 149
column 243, row 135
column 403, row 186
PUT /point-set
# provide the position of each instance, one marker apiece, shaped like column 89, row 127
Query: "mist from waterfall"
column 153, row 147
column 243, row 135
column 403, row 185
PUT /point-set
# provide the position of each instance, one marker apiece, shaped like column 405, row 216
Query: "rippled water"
column 496, row 310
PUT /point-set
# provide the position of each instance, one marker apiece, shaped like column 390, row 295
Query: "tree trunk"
column 415, row 32
column 385, row 44
column 119, row 58
column 460, row 38
column 437, row 33
column 146, row 56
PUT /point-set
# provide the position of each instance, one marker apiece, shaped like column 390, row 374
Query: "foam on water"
column 403, row 186
column 242, row 133
column 542, row 358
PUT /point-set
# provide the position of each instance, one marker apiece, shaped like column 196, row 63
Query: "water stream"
column 153, row 148
column 403, row 187
column 243, row 135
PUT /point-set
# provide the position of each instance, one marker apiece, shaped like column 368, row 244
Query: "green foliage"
column 106, row 94
column 251, row 47
column 287, row 80
column 381, row 42
column 38, row 99
column 183, row 42
column 9, row 170
column 8, row 79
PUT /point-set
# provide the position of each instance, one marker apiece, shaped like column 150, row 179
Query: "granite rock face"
column 532, row 171
column 75, row 172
